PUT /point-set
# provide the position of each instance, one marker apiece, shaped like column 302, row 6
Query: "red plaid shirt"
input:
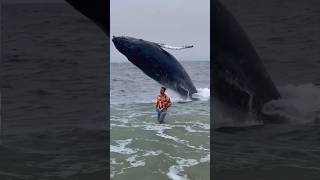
column 163, row 102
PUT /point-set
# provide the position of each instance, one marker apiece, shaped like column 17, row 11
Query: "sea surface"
column 54, row 105
column 286, row 35
column 143, row 149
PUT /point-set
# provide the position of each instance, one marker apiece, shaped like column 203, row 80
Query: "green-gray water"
column 140, row 148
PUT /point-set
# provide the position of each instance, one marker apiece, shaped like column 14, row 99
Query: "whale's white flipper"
column 174, row 47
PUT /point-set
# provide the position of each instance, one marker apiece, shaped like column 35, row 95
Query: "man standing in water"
column 163, row 103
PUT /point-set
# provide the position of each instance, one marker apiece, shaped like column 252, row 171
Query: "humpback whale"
column 157, row 63
column 151, row 58
column 239, row 77
column 96, row 10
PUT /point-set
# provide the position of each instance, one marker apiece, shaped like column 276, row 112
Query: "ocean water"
column 54, row 72
column 143, row 149
column 286, row 36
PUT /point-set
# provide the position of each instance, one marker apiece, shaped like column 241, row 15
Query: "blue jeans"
column 161, row 116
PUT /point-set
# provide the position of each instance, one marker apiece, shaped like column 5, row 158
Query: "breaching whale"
column 238, row 77
column 157, row 63
column 165, row 69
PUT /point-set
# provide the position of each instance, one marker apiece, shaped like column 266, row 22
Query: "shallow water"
column 178, row 149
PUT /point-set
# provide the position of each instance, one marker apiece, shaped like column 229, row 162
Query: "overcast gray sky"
column 174, row 22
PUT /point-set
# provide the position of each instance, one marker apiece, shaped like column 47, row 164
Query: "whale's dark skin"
column 156, row 63
column 96, row 10
column 165, row 69
column 239, row 77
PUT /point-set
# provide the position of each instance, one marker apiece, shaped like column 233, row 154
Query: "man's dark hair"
column 163, row 88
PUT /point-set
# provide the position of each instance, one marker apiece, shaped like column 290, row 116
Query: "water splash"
column 299, row 104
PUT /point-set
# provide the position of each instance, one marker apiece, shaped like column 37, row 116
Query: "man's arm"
column 157, row 103
column 169, row 104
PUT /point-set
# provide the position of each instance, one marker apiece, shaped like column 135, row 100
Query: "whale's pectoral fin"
column 174, row 47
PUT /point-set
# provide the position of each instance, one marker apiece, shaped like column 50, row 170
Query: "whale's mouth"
column 121, row 43
column 128, row 46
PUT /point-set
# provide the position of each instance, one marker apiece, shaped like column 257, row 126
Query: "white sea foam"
column 190, row 129
column 176, row 170
column 179, row 141
column 166, row 136
column 298, row 104
column 114, row 162
column 119, row 119
column 205, row 159
column 121, row 147
column 152, row 153
column 203, row 94
column 135, row 163
column 160, row 131
column 174, row 174
column 112, row 173
column 157, row 127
